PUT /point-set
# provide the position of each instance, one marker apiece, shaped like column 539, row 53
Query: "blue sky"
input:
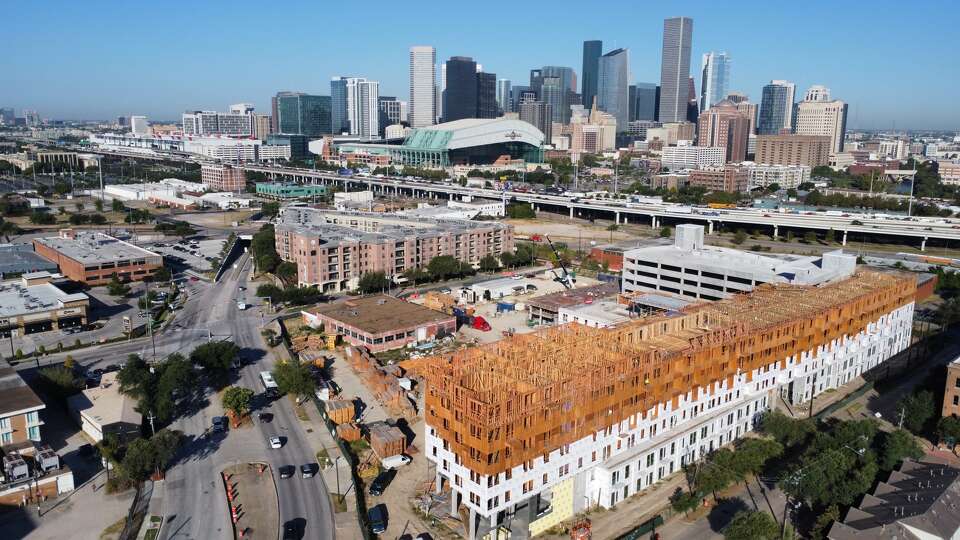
column 89, row 60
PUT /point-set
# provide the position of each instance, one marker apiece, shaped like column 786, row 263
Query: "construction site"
column 531, row 430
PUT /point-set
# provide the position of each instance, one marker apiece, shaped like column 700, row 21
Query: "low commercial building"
column 224, row 200
column 285, row 191
column 32, row 304
column 93, row 258
column 596, row 314
column 495, row 289
column 479, row 207
column 949, row 173
column 333, row 249
column 104, row 410
column 19, row 412
column 380, row 322
column 730, row 178
column 690, row 268
column 916, row 502
column 19, row 259
column 458, row 210
column 530, row 431
column 545, row 309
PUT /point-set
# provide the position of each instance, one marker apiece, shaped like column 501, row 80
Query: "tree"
column 139, row 460
column 753, row 454
column 177, row 378
column 829, row 237
column 824, row 521
column 785, row 430
column 916, row 409
column 264, row 250
column 416, row 275
column 98, row 204
column 665, row 232
column 294, row 379
column 443, row 267
column 948, row 428
column 69, row 363
column 752, row 525
column 685, row 501
column 270, row 209
column 488, row 263
column 39, row 217
column 162, row 274
column 371, row 282
column 507, row 259
column 809, row 237
column 739, row 237
column 136, row 379
column 117, row 205
column 896, row 446
column 286, row 271
column 59, row 382
column 98, row 219
column 236, row 399
column 117, row 288
column 520, row 211
column 215, row 357
column 79, row 206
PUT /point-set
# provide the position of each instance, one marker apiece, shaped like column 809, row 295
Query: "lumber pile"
column 386, row 440
column 340, row 411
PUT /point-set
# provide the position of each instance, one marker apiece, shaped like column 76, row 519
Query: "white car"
column 275, row 442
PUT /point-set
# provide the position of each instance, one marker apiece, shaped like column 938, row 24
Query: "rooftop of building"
column 91, row 247
column 917, row 501
column 689, row 251
column 378, row 314
column 15, row 396
column 20, row 258
column 574, row 297
column 333, row 226
column 105, row 404
column 18, row 298
column 604, row 311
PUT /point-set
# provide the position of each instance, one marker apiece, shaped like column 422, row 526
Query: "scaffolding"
column 506, row 403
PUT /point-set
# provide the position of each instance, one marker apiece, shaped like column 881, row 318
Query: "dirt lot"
column 257, row 495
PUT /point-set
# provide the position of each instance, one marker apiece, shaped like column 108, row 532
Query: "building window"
column 6, row 437
column 956, row 401
column 33, row 432
column 4, row 424
column 33, row 418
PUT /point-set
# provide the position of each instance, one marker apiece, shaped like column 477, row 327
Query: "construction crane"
column 566, row 279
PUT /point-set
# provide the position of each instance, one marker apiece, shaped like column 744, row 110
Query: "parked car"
column 377, row 516
column 276, row 443
column 307, row 470
column 286, row 471
column 381, row 482
column 219, row 423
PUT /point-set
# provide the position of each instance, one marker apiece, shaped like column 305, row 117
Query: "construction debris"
column 382, row 381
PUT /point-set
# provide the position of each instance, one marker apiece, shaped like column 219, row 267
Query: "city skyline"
column 147, row 75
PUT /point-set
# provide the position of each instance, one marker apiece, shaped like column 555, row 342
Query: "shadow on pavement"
column 721, row 514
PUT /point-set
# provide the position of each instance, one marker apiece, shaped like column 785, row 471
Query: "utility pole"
column 100, row 173
column 900, row 423
column 152, row 430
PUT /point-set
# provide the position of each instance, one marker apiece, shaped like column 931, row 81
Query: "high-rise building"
column 557, row 86
column 441, row 92
column 302, row 114
column 138, row 125
column 487, row 95
column 239, row 122
column 363, row 107
column 339, row 121
column 750, row 111
column 32, row 118
column 817, row 114
column 423, row 86
column 693, row 107
column 538, row 114
column 643, row 101
column 121, row 120
column 503, row 96
column 392, row 111
column 262, row 126
column 723, row 125
column 592, row 50
column 776, row 108
column 715, row 79
column 787, row 149
column 675, row 68
column 460, row 96
column 8, row 117
column 613, row 78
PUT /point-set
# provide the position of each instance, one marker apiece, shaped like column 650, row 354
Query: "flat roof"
column 604, row 311
column 575, row 297
column 15, row 396
column 379, row 314
column 20, row 259
column 105, row 404
column 18, row 299
column 94, row 247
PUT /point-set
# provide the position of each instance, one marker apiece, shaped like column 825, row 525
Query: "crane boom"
column 566, row 279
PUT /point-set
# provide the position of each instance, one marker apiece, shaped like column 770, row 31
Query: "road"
column 194, row 482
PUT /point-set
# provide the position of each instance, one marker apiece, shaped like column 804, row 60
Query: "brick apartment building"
column 788, row 149
column 333, row 249
column 221, row 177
column 951, row 394
column 93, row 258
column 731, row 178
column 19, row 412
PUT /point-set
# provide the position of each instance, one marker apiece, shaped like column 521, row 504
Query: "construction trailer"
column 578, row 417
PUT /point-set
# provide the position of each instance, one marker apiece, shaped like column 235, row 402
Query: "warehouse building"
column 571, row 418
column 33, row 304
column 19, row 259
column 93, row 258
column 380, row 322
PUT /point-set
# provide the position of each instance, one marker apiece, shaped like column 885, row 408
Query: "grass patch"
column 339, row 505
column 113, row 531
column 323, row 458
column 359, row 446
column 852, row 409
column 299, row 410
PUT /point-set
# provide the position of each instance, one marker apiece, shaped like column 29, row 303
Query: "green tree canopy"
column 917, row 409
column 237, row 399
column 372, row 282
column 215, row 357
column 896, row 446
column 752, row 525
column 489, row 263
column 294, row 378
column 787, row 431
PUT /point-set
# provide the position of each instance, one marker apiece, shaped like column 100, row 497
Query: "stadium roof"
column 470, row 132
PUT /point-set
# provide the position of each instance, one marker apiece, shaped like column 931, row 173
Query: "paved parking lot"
column 194, row 255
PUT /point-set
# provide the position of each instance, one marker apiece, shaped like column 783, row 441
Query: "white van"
column 393, row 462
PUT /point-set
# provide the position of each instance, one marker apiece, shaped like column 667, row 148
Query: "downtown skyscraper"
column 460, row 96
column 714, row 79
column 592, row 51
column 363, row 107
column 776, row 107
column 503, row 96
column 675, row 68
column 423, row 86
column 613, row 94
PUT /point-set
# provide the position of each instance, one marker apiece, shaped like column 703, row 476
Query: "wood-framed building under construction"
column 531, row 429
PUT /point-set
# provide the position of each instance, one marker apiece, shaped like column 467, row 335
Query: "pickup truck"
column 241, row 305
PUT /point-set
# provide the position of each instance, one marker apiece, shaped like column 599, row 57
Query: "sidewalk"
column 154, row 508
column 347, row 522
